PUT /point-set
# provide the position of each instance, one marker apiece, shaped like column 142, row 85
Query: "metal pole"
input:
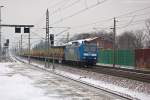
column 45, row 49
column 53, row 66
column 47, row 37
column 29, row 48
column 19, row 47
column 114, row 42
column 21, row 43
column 47, row 26
column 0, row 36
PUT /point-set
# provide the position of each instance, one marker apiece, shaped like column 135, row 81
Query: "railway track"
column 138, row 75
column 127, row 97
column 134, row 74
column 143, row 76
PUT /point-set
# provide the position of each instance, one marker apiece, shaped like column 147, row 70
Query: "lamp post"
column 0, row 36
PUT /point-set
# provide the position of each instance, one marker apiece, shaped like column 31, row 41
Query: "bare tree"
column 126, row 40
column 140, row 37
column 148, row 33
column 131, row 40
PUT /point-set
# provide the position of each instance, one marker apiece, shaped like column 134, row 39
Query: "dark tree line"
column 131, row 40
column 135, row 39
column 148, row 33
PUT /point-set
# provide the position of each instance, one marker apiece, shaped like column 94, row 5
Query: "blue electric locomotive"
column 81, row 52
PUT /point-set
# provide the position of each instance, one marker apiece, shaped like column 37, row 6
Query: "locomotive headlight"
column 86, row 54
column 93, row 54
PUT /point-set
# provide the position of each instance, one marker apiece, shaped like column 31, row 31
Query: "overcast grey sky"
column 33, row 12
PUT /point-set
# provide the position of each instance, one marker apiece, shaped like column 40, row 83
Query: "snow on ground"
column 4, row 69
column 107, row 86
column 135, row 89
column 17, row 87
column 113, row 87
column 119, row 66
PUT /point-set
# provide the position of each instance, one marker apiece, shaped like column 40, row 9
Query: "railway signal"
column 26, row 30
column 7, row 41
column 17, row 30
column 52, row 39
column 6, row 44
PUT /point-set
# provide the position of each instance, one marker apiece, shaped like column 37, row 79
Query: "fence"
column 122, row 57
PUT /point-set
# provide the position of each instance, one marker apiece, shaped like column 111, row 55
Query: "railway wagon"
column 23, row 53
column 37, row 53
column 56, row 52
column 81, row 52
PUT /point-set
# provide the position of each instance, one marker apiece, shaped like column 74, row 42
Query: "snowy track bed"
column 118, row 85
column 139, row 75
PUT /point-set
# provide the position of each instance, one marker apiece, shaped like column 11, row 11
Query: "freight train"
column 79, row 52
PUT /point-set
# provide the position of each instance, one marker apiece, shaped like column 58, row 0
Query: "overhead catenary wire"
column 132, row 12
column 133, row 23
column 50, row 7
column 137, row 15
column 65, row 7
column 38, row 35
column 92, row 23
column 129, row 22
column 78, row 12
column 61, row 7
column 120, row 16
column 123, row 15
column 71, row 3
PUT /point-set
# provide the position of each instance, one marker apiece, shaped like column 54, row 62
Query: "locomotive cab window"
column 90, row 47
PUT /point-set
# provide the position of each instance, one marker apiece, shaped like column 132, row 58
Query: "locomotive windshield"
column 90, row 48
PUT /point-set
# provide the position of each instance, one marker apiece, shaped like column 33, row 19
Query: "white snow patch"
column 119, row 66
column 4, row 69
column 106, row 86
column 18, row 87
column 141, row 96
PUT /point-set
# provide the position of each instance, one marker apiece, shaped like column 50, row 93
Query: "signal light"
column 6, row 44
column 7, row 41
column 26, row 30
column 52, row 39
column 52, row 43
column 17, row 30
